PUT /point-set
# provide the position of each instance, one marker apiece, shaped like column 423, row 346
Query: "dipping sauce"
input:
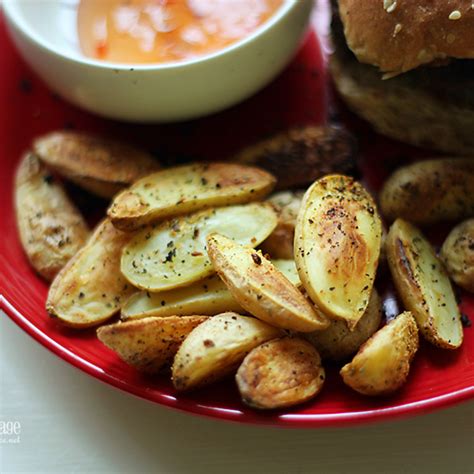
column 157, row 31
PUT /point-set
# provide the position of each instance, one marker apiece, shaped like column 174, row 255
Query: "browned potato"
column 100, row 165
column 457, row 254
column 185, row 189
column 216, row 348
column 423, row 285
column 382, row 364
column 279, row 244
column 148, row 344
column 430, row 191
column 299, row 156
column 338, row 342
column 51, row 228
column 337, row 246
column 260, row 288
column 90, row 288
column 280, row 373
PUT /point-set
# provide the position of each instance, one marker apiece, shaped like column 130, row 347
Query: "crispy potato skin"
column 90, row 288
column 337, row 246
column 279, row 244
column 184, row 189
column 338, row 342
column 100, row 165
column 457, row 254
column 280, row 373
column 382, row 364
column 423, row 285
column 430, row 191
column 173, row 254
column 148, row 344
column 260, row 288
column 299, row 156
column 51, row 228
column 216, row 348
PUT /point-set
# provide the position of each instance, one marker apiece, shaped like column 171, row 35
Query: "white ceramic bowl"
column 45, row 33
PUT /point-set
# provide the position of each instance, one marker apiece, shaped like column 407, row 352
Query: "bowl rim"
column 15, row 19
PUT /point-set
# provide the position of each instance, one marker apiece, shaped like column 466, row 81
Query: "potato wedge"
column 338, row 342
column 149, row 344
column 209, row 296
column 90, row 288
column 288, row 268
column 260, row 288
column 457, row 254
column 300, row 155
column 337, row 246
column 173, row 254
column 51, row 228
column 100, row 165
column 185, row 189
column 423, row 285
column 280, row 373
column 216, row 348
column 279, row 244
column 430, row 191
column 382, row 364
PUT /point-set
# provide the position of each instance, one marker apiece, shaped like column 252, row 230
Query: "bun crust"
column 400, row 35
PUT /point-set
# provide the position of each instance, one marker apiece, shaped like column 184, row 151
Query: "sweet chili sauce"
column 157, row 31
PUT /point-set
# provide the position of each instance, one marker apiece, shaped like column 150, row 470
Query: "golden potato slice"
column 90, row 288
column 173, row 254
column 100, row 165
column 148, row 344
column 209, row 296
column 288, row 268
column 457, row 254
column 338, row 342
column 337, row 246
column 382, row 364
column 423, row 285
column 185, row 189
column 280, row 373
column 300, row 155
column 279, row 244
column 430, row 191
column 260, row 288
column 216, row 348
column 51, row 228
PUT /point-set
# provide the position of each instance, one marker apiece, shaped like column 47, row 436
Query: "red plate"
column 438, row 378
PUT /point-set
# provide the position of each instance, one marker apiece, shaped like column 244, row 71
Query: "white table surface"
column 71, row 422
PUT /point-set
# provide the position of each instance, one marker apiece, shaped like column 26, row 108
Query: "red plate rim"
column 287, row 420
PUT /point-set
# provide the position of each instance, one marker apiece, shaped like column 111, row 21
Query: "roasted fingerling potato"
column 430, row 191
column 260, row 288
column 209, row 296
column 102, row 166
column 148, row 344
column 457, row 255
column 338, row 342
column 279, row 244
column 189, row 188
column 173, row 254
column 280, row 373
column 382, row 364
column 337, row 246
column 51, row 229
column 90, row 288
column 216, row 348
column 298, row 156
column 423, row 285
